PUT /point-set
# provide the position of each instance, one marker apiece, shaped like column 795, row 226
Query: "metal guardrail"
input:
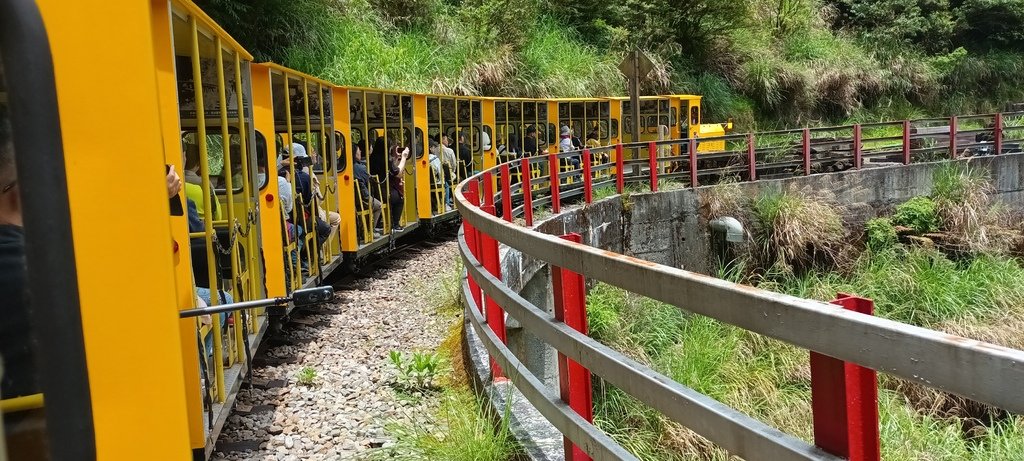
column 981, row 371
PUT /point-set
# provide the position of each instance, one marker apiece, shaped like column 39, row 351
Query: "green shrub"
column 881, row 234
column 919, row 214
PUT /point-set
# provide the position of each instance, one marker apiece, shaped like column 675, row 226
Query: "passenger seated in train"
column 576, row 143
column 304, row 188
column 332, row 218
column 293, row 231
column 593, row 142
column 565, row 145
column 198, row 244
column 530, row 142
column 378, row 161
column 485, row 141
column 396, row 181
column 362, row 176
column 24, row 430
column 194, row 183
column 465, row 156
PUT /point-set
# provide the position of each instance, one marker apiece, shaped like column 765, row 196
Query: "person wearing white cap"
column 565, row 145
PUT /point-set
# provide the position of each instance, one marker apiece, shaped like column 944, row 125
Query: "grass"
column 465, row 431
column 794, row 230
column 445, row 53
column 604, row 192
column 764, row 378
column 919, row 286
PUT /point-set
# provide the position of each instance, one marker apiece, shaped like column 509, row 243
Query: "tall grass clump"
column 468, row 429
column 920, row 286
column 881, row 234
column 795, row 231
column 555, row 63
column 967, row 213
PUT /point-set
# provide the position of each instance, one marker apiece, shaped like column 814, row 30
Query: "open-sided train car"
column 186, row 96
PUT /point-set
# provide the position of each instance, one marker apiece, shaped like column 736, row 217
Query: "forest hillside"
column 763, row 62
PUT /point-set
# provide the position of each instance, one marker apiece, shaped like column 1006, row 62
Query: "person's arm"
column 405, row 156
column 174, row 186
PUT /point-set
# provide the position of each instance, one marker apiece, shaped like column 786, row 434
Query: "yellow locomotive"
column 106, row 98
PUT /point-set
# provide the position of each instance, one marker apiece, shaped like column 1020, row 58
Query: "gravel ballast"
column 348, row 408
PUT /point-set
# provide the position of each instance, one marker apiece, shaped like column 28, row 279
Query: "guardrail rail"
column 842, row 338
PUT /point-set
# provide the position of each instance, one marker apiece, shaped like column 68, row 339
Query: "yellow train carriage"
column 302, row 114
column 63, row 93
column 668, row 117
column 212, row 141
column 379, row 120
column 586, row 116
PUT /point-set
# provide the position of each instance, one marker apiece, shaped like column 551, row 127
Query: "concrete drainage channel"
column 667, row 228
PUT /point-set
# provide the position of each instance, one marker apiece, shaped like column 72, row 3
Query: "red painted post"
column 573, row 379
column 807, row 151
column 495, row 316
column 488, row 180
column 588, row 182
column 652, row 161
column 553, row 170
column 906, row 142
column 858, row 161
column 998, row 133
column 473, row 195
column 506, row 193
column 692, row 150
column 527, row 192
column 844, row 400
column 751, row 158
column 620, row 180
column 952, row 137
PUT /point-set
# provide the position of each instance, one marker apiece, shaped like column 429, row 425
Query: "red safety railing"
column 847, row 345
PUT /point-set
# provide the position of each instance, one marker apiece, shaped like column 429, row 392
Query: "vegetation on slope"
column 779, row 61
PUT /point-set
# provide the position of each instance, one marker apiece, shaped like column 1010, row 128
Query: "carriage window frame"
column 232, row 133
column 263, row 155
column 341, row 152
column 421, row 144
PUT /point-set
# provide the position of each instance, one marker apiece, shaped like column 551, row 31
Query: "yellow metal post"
column 204, row 171
column 423, row 179
column 269, row 204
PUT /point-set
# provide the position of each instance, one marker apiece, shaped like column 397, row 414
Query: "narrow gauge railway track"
column 267, row 419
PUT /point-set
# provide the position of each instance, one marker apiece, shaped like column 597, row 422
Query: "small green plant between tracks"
column 306, row 376
column 417, row 370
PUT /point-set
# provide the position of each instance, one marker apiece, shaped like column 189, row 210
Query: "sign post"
column 635, row 67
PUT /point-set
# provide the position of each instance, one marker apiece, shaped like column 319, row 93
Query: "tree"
column 992, row 24
column 694, row 25
column 927, row 24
